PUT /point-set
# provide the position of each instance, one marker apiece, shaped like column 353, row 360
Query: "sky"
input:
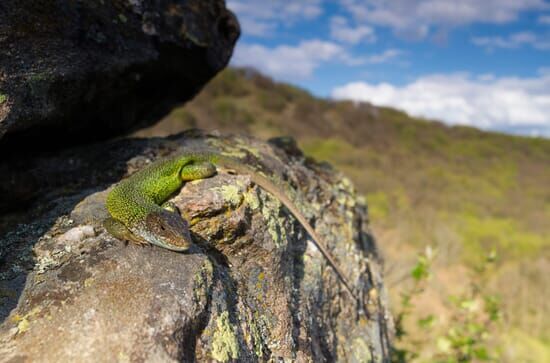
column 482, row 63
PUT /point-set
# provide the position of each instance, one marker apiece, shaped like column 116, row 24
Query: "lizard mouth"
column 168, row 230
column 172, row 247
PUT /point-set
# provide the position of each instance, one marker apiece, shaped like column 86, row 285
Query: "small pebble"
column 77, row 234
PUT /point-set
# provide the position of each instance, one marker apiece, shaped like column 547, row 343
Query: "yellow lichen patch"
column 346, row 184
column 231, row 194
column 255, row 329
column 23, row 323
column 44, row 263
column 270, row 211
column 261, row 276
column 360, row 350
column 252, row 200
column 246, row 145
column 88, row 282
column 277, row 234
column 23, row 326
column 208, row 268
column 224, row 341
column 230, row 151
column 194, row 220
column 260, row 286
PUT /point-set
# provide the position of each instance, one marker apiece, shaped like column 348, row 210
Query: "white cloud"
column 416, row 18
column 514, row 41
column 257, row 28
column 341, row 31
column 277, row 9
column 290, row 62
column 544, row 19
column 260, row 18
column 507, row 103
column 385, row 56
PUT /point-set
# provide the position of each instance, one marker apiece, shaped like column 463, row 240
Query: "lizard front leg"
column 197, row 170
column 120, row 231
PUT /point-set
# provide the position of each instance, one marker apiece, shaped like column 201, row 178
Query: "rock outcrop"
column 252, row 289
column 76, row 71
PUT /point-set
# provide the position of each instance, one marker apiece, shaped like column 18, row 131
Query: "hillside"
column 464, row 192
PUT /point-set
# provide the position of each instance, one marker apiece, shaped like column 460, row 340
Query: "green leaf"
column 426, row 322
column 481, row 353
column 421, row 270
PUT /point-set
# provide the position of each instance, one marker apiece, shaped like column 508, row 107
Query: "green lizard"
column 139, row 215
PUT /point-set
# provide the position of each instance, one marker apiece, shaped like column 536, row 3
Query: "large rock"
column 73, row 70
column 254, row 288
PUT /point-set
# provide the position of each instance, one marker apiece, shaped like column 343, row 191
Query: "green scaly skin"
column 138, row 214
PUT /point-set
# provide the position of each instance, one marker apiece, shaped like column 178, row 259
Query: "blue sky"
column 484, row 63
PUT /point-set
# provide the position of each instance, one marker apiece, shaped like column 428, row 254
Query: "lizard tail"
column 276, row 191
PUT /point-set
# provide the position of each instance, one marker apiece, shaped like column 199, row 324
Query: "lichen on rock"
column 224, row 341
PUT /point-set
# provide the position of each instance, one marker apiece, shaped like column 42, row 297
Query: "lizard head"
column 168, row 230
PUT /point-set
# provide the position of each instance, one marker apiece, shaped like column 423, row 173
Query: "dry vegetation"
column 466, row 193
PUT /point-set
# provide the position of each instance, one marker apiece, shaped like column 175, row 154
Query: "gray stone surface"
column 253, row 288
column 74, row 71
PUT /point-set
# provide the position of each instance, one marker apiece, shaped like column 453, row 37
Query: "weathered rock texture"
column 75, row 70
column 252, row 289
